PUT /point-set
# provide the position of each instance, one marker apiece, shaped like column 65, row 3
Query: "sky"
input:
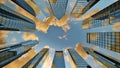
column 56, row 36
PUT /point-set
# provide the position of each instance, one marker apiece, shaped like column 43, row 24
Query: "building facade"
column 58, row 7
column 58, row 61
column 82, row 6
column 10, row 53
column 108, row 16
column 14, row 21
column 78, row 60
column 106, row 40
column 33, row 63
column 28, row 5
column 104, row 59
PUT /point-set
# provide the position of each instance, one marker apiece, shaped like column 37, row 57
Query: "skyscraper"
column 77, row 59
column 108, row 16
column 106, row 40
column 58, row 7
column 58, row 61
column 108, row 61
column 82, row 6
column 33, row 63
column 14, row 21
column 10, row 53
column 28, row 5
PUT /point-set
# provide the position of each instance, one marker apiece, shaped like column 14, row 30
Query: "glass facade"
column 106, row 60
column 77, row 9
column 24, row 5
column 58, row 7
column 58, row 61
column 108, row 16
column 89, row 5
column 14, row 21
column 107, row 40
column 82, row 6
column 10, row 53
column 36, row 60
column 78, row 60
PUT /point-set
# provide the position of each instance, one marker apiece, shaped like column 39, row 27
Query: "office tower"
column 108, row 61
column 14, row 21
column 28, row 5
column 82, row 6
column 108, row 16
column 106, row 40
column 33, row 63
column 10, row 53
column 58, row 7
column 58, row 61
column 77, row 59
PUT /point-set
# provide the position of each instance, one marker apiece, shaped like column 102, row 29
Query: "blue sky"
column 52, row 37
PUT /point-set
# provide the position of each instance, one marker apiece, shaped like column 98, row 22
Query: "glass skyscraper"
column 33, row 63
column 14, row 21
column 82, row 6
column 78, row 60
column 10, row 53
column 108, row 61
column 25, row 4
column 108, row 16
column 58, row 61
column 58, row 7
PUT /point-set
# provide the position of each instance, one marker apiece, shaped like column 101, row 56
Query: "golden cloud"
column 3, row 35
column 30, row 36
column 50, row 21
column 2, row 1
column 116, row 26
column 80, row 50
column 47, row 46
column 66, row 27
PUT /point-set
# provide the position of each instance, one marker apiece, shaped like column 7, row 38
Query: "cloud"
column 3, row 35
column 66, row 27
column 14, row 40
column 2, row 1
column 63, row 23
column 18, row 32
column 47, row 46
column 63, row 37
column 72, row 4
column 30, row 36
column 116, row 26
column 49, row 21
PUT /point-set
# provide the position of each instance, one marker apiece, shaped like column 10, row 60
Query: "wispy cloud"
column 63, row 37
